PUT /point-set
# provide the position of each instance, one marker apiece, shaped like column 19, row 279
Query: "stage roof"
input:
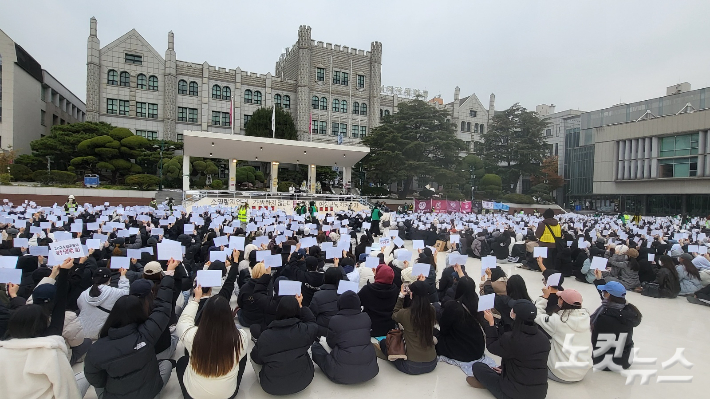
column 249, row 148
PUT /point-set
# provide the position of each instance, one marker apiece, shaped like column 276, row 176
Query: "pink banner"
column 466, row 206
column 422, row 206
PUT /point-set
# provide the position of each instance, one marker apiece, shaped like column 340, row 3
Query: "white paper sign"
column 404, row 255
column 289, row 288
column 66, row 249
column 488, row 262
column 236, row 243
column 417, row 244
column 168, row 250
column 261, row 255
column 458, row 259
column 486, row 302
column 599, row 263
column 421, row 269
column 118, row 262
column 540, row 252
column 8, row 262
column 651, row 257
column 691, row 248
column 133, row 253
column 25, row 242
column 93, row 243
column 372, row 262
column 221, row 240
column 273, row 261
column 39, row 250
column 554, row 280
column 10, row 275
column 344, row 286
column 209, row 278
column 188, row 229
column 218, row 255
column 454, row 238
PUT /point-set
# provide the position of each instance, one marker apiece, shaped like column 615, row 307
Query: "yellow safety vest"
column 242, row 215
column 547, row 237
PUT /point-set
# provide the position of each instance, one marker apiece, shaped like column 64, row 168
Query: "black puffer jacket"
column 353, row 358
column 124, row 363
column 615, row 322
column 282, row 350
column 324, row 305
column 378, row 301
column 254, row 298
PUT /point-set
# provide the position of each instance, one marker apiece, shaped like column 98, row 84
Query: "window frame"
column 112, row 77
column 324, row 103
column 320, row 74
column 257, row 97
column 345, row 78
column 216, row 92
column 363, row 131
column 153, row 83
column 197, row 89
column 344, row 106
column 121, row 82
column 277, row 100
column 216, row 118
column 141, row 109
column 334, row 128
column 356, row 108
column 182, row 114
column 287, row 101
column 112, row 105
column 134, row 59
column 363, row 108
column 323, row 127
column 226, row 120
column 248, row 96
column 124, row 107
column 141, row 81
column 355, row 131
column 344, row 130
column 190, row 114
column 336, row 105
column 226, row 93
column 314, row 126
column 152, row 107
column 315, row 102
column 360, row 81
column 336, row 77
column 247, row 118
column 182, row 86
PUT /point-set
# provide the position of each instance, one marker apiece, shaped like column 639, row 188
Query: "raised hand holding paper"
column 345, row 285
column 540, row 252
column 420, row 269
column 599, row 263
column 209, row 278
column 372, row 262
column 10, row 275
column 417, row 244
column 554, row 280
column 289, row 288
column 486, row 302
column 118, row 262
column 488, row 262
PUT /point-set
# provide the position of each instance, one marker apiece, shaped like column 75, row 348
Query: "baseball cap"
column 614, row 288
column 152, row 268
column 44, row 293
column 523, row 309
column 141, row 287
column 572, row 297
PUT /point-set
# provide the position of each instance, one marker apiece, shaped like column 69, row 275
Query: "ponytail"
column 101, row 277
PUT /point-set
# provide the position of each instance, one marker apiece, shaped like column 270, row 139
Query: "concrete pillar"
column 620, row 159
column 701, row 153
column 647, row 156
column 654, row 158
column 233, row 175
column 274, row 185
column 632, row 159
column 627, row 160
column 185, row 172
column 312, row 179
column 347, row 177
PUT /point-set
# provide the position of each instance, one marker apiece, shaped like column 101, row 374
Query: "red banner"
column 466, row 206
column 453, row 206
column 422, row 206
column 442, row 206
column 439, row 206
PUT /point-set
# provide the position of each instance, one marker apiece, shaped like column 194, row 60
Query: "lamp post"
column 160, row 169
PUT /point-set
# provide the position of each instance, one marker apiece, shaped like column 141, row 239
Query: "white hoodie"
column 37, row 368
column 575, row 324
column 92, row 318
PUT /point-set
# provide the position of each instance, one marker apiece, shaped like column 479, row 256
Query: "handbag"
column 396, row 348
column 651, row 289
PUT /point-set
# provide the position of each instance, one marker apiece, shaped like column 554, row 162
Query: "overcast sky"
column 586, row 54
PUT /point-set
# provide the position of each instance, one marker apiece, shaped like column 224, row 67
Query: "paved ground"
column 667, row 324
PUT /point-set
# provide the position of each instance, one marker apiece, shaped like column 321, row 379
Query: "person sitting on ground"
column 280, row 356
column 571, row 320
column 615, row 316
column 96, row 303
column 324, row 304
column 352, row 358
column 495, row 281
column 122, row 363
column 688, row 275
column 378, row 299
column 253, row 296
column 667, row 280
column 523, row 351
column 216, row 350
column 624, row 267
column 515, row 289
column 418, row 322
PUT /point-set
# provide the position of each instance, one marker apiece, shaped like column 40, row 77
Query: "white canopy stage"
column 248, row 148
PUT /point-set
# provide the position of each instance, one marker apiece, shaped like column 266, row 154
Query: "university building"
column 31, row 99
column 651, row 157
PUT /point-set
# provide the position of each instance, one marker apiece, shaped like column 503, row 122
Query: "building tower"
column 93, row 74
column 491, row 108
column 375, row 84
column 170, row 91
column 303, row 92
column 455, row 116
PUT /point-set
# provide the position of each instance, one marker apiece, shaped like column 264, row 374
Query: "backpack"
column 560, row 244
column 485, row 248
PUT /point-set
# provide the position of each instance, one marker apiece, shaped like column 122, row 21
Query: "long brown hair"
column 217, row 342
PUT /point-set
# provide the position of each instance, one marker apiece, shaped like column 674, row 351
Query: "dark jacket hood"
column 349, row 300
column 551, row 221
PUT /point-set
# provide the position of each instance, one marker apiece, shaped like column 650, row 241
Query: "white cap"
column 71, row 197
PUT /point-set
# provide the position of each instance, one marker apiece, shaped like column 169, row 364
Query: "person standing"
column 71, row 204
column 547, row 230
column 375, row 219
column 243, row 214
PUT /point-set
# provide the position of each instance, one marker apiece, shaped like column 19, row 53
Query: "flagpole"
column 273, row 122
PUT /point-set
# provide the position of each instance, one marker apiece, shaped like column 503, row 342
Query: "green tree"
column 514, row 141
column 416, row 141
column 260, row 124
column 492, row 185
column 111, row 152
column 61, row 144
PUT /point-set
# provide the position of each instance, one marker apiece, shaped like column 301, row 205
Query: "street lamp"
column 160, row 170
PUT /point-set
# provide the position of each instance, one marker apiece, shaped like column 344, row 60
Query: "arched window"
column 363, row 109
column 226, row 93
column 324, row 103
column 463, row 126
column 336, row 105
column 257, row 97
column 481, row 128
column 277, row 100
column 182, row 86
column 216, row 92
column 314, row 102
column 356, row 108
column 125, row 79
column 247, row 96
column 344, row 106
column 112, row 77
column 141, row 82
column 468, row 126
column 287, row 102
column 153, row 82
column 475, row 127
column 193, row 88
column 387, row 112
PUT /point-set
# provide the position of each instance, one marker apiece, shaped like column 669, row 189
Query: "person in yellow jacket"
column 243, row 214
column 547, row 230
